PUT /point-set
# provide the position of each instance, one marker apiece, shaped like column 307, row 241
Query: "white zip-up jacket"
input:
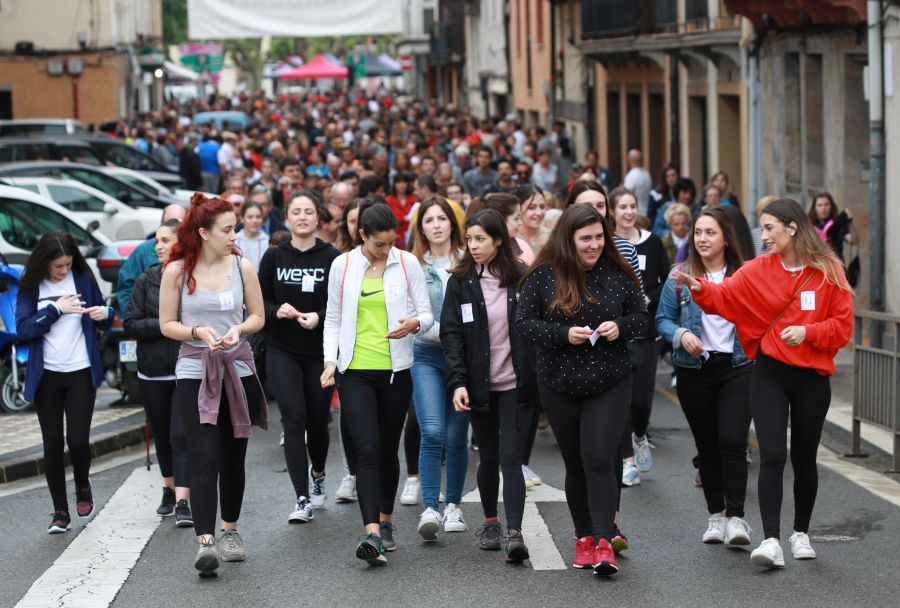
column 405, row 296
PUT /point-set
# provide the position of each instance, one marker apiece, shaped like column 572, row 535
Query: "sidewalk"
column 21, row 446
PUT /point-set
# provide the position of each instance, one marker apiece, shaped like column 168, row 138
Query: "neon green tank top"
column 372, row 350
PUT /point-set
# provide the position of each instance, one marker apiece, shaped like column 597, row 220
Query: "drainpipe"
column 553, row 82
column 876, row 158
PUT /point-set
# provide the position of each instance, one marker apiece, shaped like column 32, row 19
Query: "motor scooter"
column 13, row 351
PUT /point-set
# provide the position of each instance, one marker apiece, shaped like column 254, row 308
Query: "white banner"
column 211, row 19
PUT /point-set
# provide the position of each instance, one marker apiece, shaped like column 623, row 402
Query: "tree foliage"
column 175, row 21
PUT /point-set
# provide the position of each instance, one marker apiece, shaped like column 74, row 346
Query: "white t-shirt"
column 716, row 334
column 65, row 349
column 639, row 181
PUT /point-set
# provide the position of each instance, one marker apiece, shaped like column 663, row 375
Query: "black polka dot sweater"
column 583, row 369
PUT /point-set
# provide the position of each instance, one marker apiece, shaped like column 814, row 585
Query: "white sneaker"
column 453, row 519
column 674, row 381
column 715, row 532
column 429, row 524
column 302, row 512
column 630, row 475
column 768, row 554
column 737, row 532
column 346, row 492
column 800, row 547
column 531, row 478
column 317, row 491
column 410, row 494
column 642, row 456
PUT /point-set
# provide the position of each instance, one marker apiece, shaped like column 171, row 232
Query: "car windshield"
column 22, row 224
column 111, row 186
column 124, row 155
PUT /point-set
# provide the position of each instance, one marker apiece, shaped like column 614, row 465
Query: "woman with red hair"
column 205, row 289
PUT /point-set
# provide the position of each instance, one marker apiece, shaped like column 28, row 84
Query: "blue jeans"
column 442, row 427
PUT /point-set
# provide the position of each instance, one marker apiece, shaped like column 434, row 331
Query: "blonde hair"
column 676, row 209
column 764, row 202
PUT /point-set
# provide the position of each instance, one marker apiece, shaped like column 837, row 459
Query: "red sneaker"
column 605, row 559
column 584, row 553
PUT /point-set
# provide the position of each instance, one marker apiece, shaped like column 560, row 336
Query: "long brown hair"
column 833, row 210
column 733, row 260
column 505, row 266
column 811, row 250
column 52, row 245
column 421, row 245
column 560, row 254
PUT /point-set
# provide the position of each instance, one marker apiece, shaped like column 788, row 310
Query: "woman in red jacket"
column 793, row 310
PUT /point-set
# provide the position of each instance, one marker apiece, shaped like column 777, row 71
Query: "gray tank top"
column 217, row 309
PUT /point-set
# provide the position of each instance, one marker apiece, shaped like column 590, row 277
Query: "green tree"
column 246, row 54
column 175, row 21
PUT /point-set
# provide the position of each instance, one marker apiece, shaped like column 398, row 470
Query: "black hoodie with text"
column 299, row 278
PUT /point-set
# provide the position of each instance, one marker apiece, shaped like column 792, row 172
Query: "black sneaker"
column 183, row 516
column 371, row 550
column 516, row 551
column 60, row 523
column 387, row 536
column 84, row 502
column 167, row 506
column 491, row 535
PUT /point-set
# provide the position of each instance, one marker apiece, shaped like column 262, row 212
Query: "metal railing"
column 876, row 376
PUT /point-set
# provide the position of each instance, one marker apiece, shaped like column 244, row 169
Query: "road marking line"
column 881, row 486
column 97, row 563
column 541, row 547
column 98, row 465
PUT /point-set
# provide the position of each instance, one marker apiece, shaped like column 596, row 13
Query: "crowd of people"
column 432, row 273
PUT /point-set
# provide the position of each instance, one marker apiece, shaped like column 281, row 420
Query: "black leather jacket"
column 156, row 354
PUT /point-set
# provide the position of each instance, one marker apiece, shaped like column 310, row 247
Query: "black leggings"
column 588, row 430
column 412, row 442
column 69, row 394
column 532, row 431
column 501, row 432
column 778, row 390
column 168, row 432
column 373, row 405
column 716, row 402
column 216, row 455
column 304, row 406
column 644, row 386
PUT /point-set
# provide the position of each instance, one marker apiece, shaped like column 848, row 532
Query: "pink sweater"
column 502, row 375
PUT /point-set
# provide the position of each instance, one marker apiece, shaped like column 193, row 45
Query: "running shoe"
column 84, row 503
column 630, row 475
column 715, row 530
column 491, row 535
column 167, row 506
column 768, row 554
column 453, row 519
column 516, row 551
column 800, row 547
column 410, row 494
column 346, row 492
column 317, row 491
column 60, row 523
column 642, row 456
column 387, row 536
column 207, row 560
column 619, row 541
column 531, row 478
column 429, row 524
column 584, row 552
column 231, row 546
column 371, row 550
column 183, row 516
column 605, row 563
column 737, row 532
column 302, row 512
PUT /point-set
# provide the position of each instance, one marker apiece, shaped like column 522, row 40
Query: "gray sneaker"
column 207, row 561
column 231, row 546
column 387, row 536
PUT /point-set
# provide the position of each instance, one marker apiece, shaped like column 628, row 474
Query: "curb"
column 102, row 443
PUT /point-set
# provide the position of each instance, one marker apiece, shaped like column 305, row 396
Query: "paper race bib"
column 642, row 263
column 391, row 293
column 308, row 284
column 808, row 300
column 467, row 316
column 226, row 300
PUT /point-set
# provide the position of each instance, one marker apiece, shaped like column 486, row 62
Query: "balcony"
column 617, row 18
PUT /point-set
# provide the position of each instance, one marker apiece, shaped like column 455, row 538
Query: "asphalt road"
column 854, row 532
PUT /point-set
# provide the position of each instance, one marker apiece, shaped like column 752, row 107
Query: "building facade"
column 487, row 72
column 530, row 62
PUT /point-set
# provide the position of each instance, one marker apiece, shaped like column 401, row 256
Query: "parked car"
column 224, row 120
column 26, row 216
column 40, row 147
column 53, row 126
column 142, row 181
column 97, row 177
column 117, row 220
column 116, row 152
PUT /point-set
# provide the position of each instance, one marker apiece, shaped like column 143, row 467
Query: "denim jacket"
column 435, row 288
column 677, row 314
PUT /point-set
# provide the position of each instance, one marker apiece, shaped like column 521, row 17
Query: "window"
column 28, row 152
column 75, row 199
column 79, row 154
column 29, row 187
column 108, row 185
column 22, row 224
column 128, row 157
column 540, row 21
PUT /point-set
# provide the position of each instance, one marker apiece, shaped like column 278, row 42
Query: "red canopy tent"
column 317, row 67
